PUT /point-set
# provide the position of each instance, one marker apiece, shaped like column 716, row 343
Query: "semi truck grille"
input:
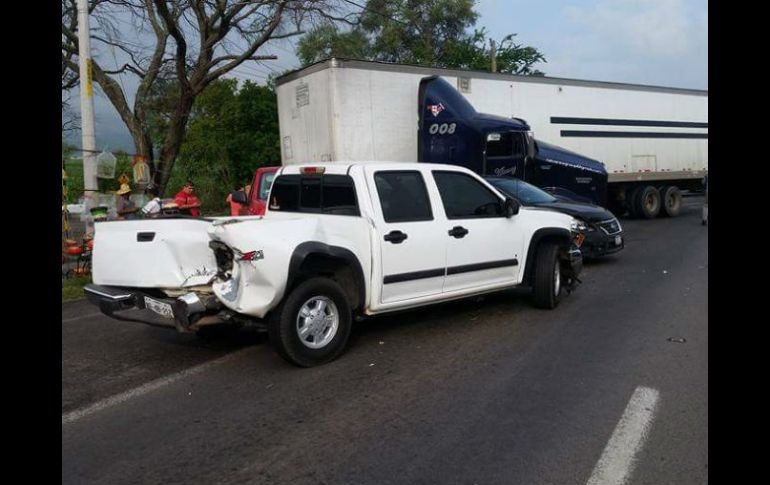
column 611, row 226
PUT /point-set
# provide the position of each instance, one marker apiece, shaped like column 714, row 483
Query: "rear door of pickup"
column 412, row 240
column 484, row 247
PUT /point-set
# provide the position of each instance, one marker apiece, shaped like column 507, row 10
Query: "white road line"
column 619, row 456
column 77, row 414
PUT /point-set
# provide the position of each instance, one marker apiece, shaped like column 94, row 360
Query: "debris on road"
column 677, row 340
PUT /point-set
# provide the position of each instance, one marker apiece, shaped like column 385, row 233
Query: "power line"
column 255, row 69
column 363, row 7
column 244, row 70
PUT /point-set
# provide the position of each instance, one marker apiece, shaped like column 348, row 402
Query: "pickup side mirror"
column 510, row 207
column 240, row 197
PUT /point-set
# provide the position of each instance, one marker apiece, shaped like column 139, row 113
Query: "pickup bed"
column 338, row 241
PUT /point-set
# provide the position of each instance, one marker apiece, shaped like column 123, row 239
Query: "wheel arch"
column 314, row 258
column 540, row 236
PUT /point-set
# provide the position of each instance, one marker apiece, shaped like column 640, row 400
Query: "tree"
column 192, row 43
column 231, row 132
column 69, row 78
column 433, row 33
column 328, row 41
column 512, row 58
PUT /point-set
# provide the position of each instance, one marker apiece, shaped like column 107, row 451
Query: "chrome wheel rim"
column 317, row 322
column 556, row 279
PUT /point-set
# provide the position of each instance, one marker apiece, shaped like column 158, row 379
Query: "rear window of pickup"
column 316, row 194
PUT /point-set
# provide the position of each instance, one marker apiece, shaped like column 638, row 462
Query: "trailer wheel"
column 647, row 202
column 671, row 201
column 312, row 325
column 547, row 288
column 631, row 202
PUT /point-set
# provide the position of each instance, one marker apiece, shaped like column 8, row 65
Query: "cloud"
column 662, row 29
column 657, row 42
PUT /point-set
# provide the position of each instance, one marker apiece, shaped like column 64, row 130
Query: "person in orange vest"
column 186, row 201
column 235, row 207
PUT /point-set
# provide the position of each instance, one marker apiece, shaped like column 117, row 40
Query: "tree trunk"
column 173, row 142
column 143, row 145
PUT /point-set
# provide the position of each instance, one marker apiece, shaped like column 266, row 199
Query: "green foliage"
column 66, row 149
column 416, row 31
column 512, row 58
column 72, row 288
column 122, row 166
column 434, row 33
column 74, row 169
column 326, row 41
column 231, row 133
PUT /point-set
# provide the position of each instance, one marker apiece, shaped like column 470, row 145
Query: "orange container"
column 74, row 250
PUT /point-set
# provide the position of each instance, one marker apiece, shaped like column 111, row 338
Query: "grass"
column 72, row 288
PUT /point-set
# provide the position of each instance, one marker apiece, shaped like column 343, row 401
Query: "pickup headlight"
column 578, row 226
column 578, row 229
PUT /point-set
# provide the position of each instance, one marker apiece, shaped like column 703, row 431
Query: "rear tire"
column 312, row 324
column 631, row 202
column 647, row 202
column 671, row 201
column 547, row 288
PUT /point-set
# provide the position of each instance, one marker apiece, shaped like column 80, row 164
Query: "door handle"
column 395, row 237
column 458, row 232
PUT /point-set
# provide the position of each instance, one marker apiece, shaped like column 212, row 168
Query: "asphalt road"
column 487, row 391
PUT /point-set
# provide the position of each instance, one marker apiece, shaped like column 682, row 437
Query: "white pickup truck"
column 338, row 241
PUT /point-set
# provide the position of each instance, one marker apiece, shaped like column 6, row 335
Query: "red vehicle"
column 254, row 203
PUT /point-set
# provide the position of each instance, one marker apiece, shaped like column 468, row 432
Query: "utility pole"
column 493, row 54
column 86, row 102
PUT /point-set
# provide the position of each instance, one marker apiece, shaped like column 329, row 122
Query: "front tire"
column 312, row 325
column 548, row 282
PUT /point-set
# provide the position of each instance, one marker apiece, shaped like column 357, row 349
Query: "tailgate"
column 153, row 253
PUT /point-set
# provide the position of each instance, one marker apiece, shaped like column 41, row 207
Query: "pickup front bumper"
column 186, row 312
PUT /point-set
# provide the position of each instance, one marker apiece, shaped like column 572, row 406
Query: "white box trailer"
column 652, row 140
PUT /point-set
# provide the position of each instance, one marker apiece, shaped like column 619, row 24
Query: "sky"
column 654, row 42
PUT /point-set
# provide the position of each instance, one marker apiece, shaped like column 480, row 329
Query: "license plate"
column 618, row 240
column 159, row 307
